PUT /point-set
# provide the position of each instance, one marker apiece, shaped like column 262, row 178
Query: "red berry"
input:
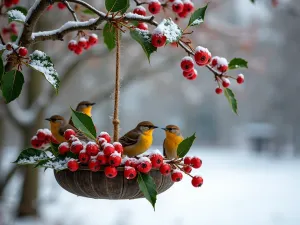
column 144, row 167
column 240, row 79
column 92, row 148
column 156, row 160
column 35, row 142
column 94, row 165
column 188, row 74
column 194, row 75
column 8, row 47
column 219, row 90
column 101, row 141
column 84, row 157
column 171, row 0
column 187, row 169
column 61, row 5
column 187, row 63
column 187, row 160
column 108, row 149
column 154, row 7
column 214, row 61
column 5, row 30
column 23, row 51
column 49, row 7
column 115, row 159
column 183, row 14
column 105, row 135
column 202, row 56
column 222, row 68
column 140, row 10
column 158, row 40
column 142, row 26
column 82, row 42
column 222, row 65
column 76, row 147
column 188, row 7
column 118, row 147
column 93, row 39
column 133, row 162
column 41, row 135
column 72, row 45
column 73, row 165
column 78, row 50
column 102, row 158
column 87, row 46
column 196, row 162
column 174, row 44
column 69, row 133
column 8, row 3
column 110, row 171
column 177, row 6
column 226, row 83
column 197, row 181
column 176, row 176
column 14, row 30
column 15, row 2
column 165, row 169
column 129, row 172
column 63, row 148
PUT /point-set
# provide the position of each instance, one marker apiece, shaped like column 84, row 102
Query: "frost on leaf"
column 31, row 156
column 42, row 63
column 56, row 164
column 170, row 29
column 16, row 15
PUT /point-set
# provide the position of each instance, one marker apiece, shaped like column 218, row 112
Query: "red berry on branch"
column 176, row 176
column 110, row 172
column 115, row 159
column 101, row 141
column 140, row 10
column 61, row 5
column 63, row 148
column 35, row 142
column 94, row 165
column 86, row 47
column 187, row 63
column 154, row 6
column 214, row 61
column 84, row 157
column 222, row 65
column 93, row 39
column 72, row 45
column 102, row 158
column 78, row 50
column 197, row 181
column 202, row 56
column 158, row 39
column 82, row 42
column 15, row 2
column 41, row 135
column 22, row 51
column 8, row 3
column 129, row 172
column 92, row 148
column 196, row 162
column 240, row 79
column 105, row 135
column 165, row 169
column 193, row 76
column 76, row 147
column 118, row 147
column 69, row 133
column 187, row 160
column 183, row 14
column 188, row 6
column 226, row 83
column 177, row 6
column 73, row 165
column 8, row 47
column 187, row 169
column 108, row 149
column 144, row 165
column 142, row 26
column 156, row 160
column 219, row 90
column 187, row 74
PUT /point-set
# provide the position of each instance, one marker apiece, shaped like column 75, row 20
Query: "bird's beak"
column 48, row 119
column 93, row 103
column 154, row 127
column 164, row 128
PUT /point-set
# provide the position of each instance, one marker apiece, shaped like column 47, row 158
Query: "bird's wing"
column 129, row 138
column 164, row 153
column 79, row 134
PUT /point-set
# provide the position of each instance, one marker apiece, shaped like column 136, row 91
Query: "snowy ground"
column 239, row 189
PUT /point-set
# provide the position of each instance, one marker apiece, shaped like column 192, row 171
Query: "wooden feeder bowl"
column 86, row 183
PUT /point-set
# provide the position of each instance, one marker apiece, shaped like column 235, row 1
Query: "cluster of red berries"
column 182, row 7
column 82, row 43
column 10, row 3
column 60, row 5
column 42, row 138
column 21, row 51
column 10, row 30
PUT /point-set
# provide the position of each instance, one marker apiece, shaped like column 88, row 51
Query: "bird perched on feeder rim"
column 138, row 140
column 172, row 140
column 84, row 107
column 58, row 126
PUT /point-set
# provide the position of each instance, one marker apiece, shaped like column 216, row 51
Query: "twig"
column 71, row 10
column 140, row 3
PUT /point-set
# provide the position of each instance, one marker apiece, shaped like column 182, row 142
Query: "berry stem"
column 183, row 170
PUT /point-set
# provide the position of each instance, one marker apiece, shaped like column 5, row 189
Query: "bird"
column 172, row 140
column 84, row 107
column 138, row 140
column 58, row 126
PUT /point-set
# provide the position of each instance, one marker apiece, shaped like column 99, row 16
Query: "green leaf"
column 16, row 15
column 147, row 187
column 31, row 156
column 54, row 148
column 88, row 11
column 84, row 123
column 109, row 34
column 20, row 8
column 198, row 16
column 43, row 64
column 231, row 99
column 11, row 85
column 171, row 30
column 237, row 63
column 117, row 5
column 13, row 37
column 58, row 163
column 1, row 69
column 144, row 38
column 185, row 145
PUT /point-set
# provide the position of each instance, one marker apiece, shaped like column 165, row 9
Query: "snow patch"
column 16, row 15
column 169, row 29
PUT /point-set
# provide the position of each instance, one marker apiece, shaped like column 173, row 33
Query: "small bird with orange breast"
column 138, row 140
column 172, row 140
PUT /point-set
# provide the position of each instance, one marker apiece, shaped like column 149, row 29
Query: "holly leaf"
column 171, row 30
column 1, row 69
column 143, row 37
column 16, row 15
column 21, row 9
column 84, row 123
column 197, row 17
column 185, row 145
column 58, row 163
column 147, row 187
column 43, row 64
column 11, row 85
column 31, row 156
column 231, row 99
column 54, row 149
column 237, row 63
column 109, row 35
column 117, row 5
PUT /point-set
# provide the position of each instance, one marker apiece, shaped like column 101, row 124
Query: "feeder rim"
column 119, row 168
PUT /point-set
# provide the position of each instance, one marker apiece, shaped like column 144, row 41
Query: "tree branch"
column 71, row 10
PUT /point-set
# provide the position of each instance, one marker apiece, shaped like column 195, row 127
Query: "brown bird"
column 172, row 140
column 59, row 125
column 138, row 140
column 84, row 107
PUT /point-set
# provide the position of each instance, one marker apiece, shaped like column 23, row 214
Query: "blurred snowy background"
column 250, row 167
